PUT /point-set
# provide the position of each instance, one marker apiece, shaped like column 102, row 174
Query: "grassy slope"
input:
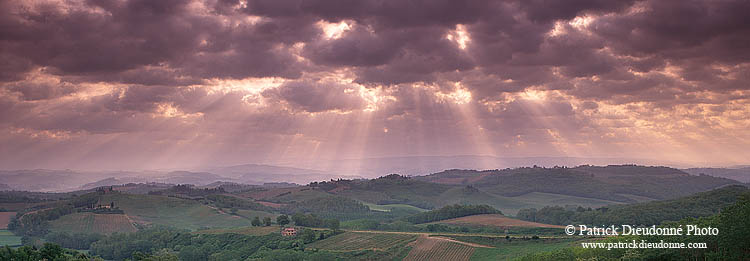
column 174, row 212
column 7, row 238
column 612, row 183
column 351, row 241
column 493, row 220
column 464, row 196
column 517, row 248
column 93, row 223
column 249, row 214
column 255, row 231
column 392, row 207
column 299, row 195
column 539, row 200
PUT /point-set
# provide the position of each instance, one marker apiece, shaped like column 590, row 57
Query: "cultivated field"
column 93, row 223
column 540, row 199
column 271, row 193
column 392, row 207
column 5, row 218
column 508, row 250
column 180, row 213
column 494, row 220
column 427, row 248
column 250, row 214
column 9, row 239
column 351, row 241
column 255, row 231
column 270, row 204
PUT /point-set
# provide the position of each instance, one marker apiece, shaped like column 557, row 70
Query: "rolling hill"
column 494, row 220
column 612, row 183
column 701, row 204
column 170, row 211
column 741, row 174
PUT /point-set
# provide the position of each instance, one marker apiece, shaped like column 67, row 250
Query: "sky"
column 143, row 84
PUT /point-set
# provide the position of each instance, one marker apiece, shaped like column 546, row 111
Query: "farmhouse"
column 289, row 232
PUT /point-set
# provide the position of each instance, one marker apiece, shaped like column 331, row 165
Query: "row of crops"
column 434, row 249
column 94, row 223
column 351, row 241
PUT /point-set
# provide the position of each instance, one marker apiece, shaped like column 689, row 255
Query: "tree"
column 267, row 221
column 308, row 235
column 734, row 227
column 333, row 224
column 282, row 220
column 161, row 255
column 256, row 222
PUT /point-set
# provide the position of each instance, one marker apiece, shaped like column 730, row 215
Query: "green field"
column 461, row 195
column 477, row 197
column 93, row 223
column 550, row 199
column 255, row 231
column 299, row 196
column 351, row 241
column 7, row 238
column 250, row 214
column 392, row 207
column 503, row 249
column 175, row 212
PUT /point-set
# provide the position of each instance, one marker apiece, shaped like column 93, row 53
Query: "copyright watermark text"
column 628, row 230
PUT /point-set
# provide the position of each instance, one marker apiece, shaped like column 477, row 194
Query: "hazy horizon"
column 434, row 163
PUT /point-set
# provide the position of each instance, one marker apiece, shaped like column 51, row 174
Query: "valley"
column 451, row 215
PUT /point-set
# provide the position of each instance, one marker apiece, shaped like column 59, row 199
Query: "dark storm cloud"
column 41, row 90
column 117, row 38
column 550, row 10
column 317, row 97
column 538, row 69
column 379, row 14
column 390, row 42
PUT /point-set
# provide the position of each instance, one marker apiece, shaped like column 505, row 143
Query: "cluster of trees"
column 147, row 243
column 311, row 220
column 451, row 211
column 37, row 223
column 732, row 243
column 189, row 190
column 224, row 201
column 330, row 185
column 88, row 200
column 282, row 220
column 332, row 207
column 73, row 240
column 650, row 213
column 47, row 252
column 12, row 197
column 257, row 222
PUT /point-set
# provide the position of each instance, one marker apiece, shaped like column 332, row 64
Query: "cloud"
column 317, row 96
column 581, row 77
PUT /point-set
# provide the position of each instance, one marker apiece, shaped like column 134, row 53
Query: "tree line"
column 649, row 213
column 451, row 211
column 189, row 246
column 732, row 242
